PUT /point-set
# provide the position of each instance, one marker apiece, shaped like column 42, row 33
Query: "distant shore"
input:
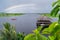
column 18, row 14
column 10, row 14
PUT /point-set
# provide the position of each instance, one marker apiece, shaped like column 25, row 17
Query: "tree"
column 56, row 9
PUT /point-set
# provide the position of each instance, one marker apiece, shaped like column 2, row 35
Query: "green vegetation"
column 56, row 9
column 9, row 33
column 10, row 14
column 53, row 32
column 36, row 35
column 48, row 15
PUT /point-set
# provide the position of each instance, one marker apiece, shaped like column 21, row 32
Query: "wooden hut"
column 43, row 21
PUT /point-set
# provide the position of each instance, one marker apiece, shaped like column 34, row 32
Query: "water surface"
column 24, row 23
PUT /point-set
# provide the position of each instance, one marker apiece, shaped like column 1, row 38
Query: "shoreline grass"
column 10, row 14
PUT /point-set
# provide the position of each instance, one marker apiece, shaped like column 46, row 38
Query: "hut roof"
column 44, row 18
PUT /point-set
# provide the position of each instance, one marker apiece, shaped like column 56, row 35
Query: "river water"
column 23, row 23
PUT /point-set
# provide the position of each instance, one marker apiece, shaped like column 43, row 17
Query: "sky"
column 26, row 6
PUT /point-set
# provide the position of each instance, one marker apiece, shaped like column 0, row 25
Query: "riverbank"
column 10, row 14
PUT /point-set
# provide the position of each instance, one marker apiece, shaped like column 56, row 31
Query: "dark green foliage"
column 55, row 33
column 9, row 33
column 36, row 35
column 20, row 36
column 59, row 19
column 56, row 9
column 53, row 30
column 7, row 26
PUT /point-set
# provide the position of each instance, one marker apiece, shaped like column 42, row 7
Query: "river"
column 23, row 23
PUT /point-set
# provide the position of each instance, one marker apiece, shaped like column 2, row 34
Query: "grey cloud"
column 41, row 5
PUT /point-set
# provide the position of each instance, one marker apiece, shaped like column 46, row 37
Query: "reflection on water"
column 24, row 23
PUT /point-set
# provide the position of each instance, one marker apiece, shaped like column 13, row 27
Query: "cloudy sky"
column 26, row 6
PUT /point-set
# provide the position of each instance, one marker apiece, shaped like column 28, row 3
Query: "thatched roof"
column 43, row 21
column 44, row 18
